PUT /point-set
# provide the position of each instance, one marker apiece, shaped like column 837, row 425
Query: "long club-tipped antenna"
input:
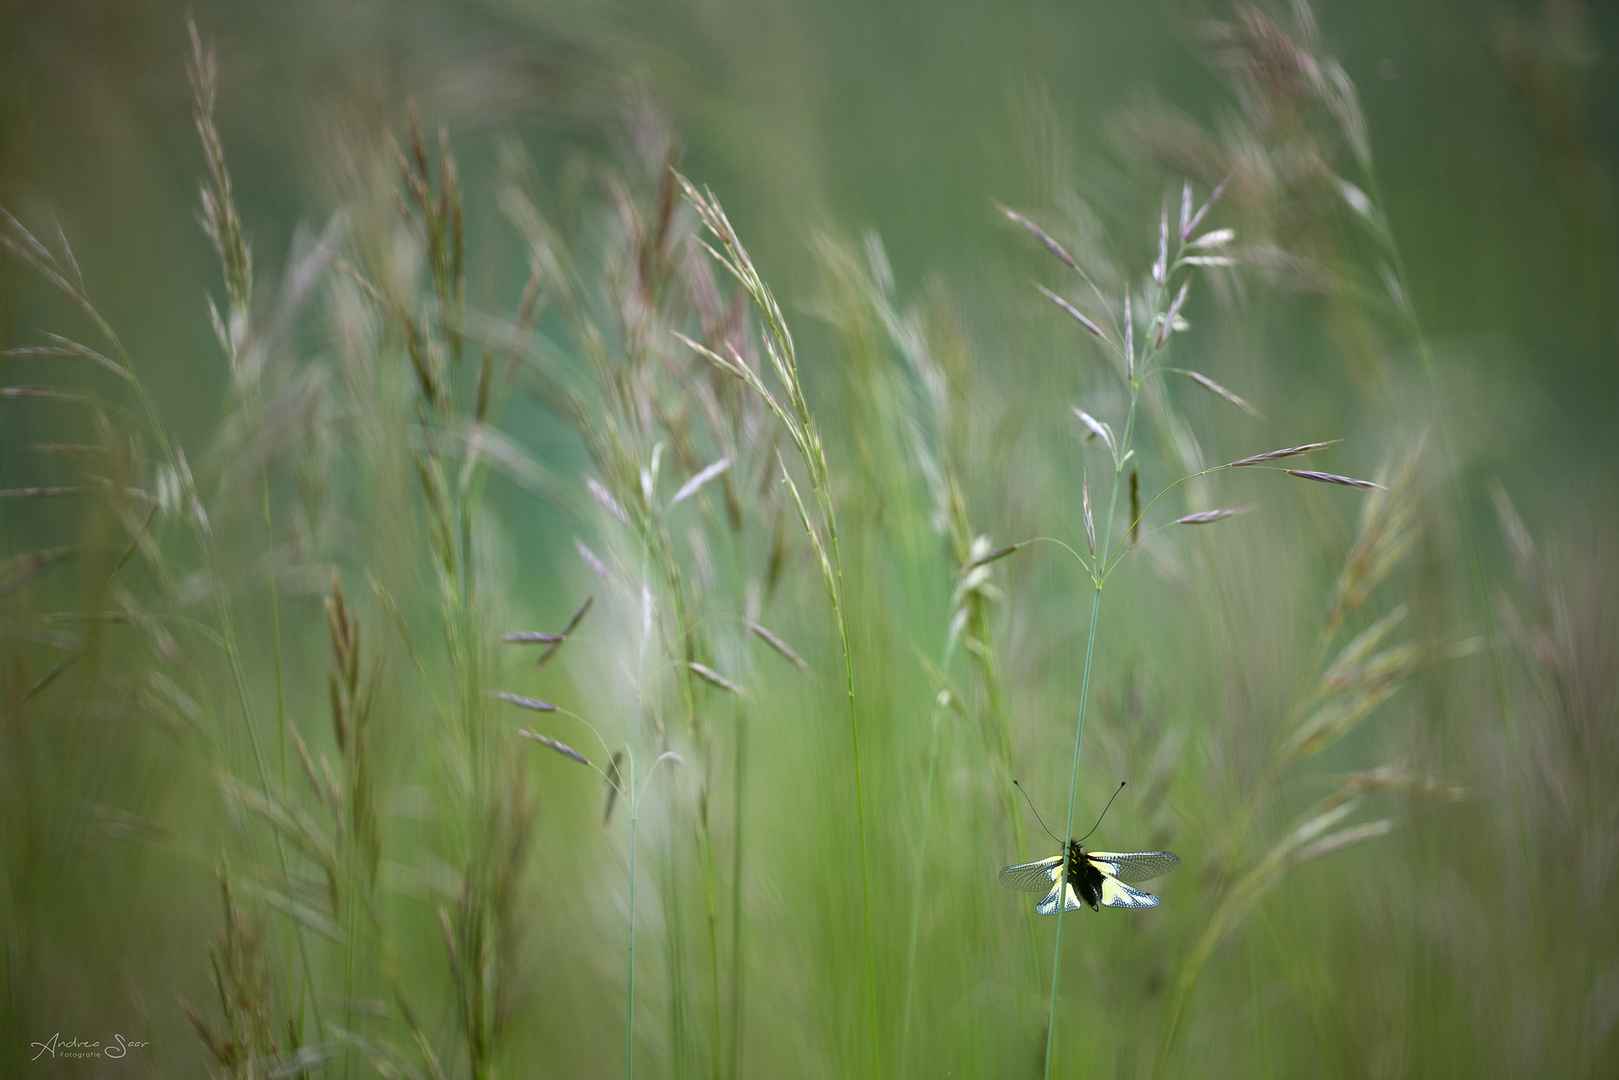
column 1104, row 810
column 1037, row 817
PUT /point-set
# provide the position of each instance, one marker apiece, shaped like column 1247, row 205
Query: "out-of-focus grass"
column 253, row 761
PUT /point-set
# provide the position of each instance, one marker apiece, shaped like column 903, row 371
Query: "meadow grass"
column 470, row 706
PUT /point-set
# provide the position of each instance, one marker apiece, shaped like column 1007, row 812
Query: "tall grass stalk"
column 1122, row 352
column 1172, row 266
column 797, row 418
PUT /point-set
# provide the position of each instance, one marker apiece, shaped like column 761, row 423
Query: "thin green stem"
column 806, row 440
column 921, row 865
column 635, row 809
column 275, row 625
column 1079, row 727
column 239, row 682
column 281, row 717
column 710, row 890
column 736, row 902
column 1117, row 553
column 859, row 796
column 629, row 991
column 1073, row 786
column 280, row 681
column 674, row 948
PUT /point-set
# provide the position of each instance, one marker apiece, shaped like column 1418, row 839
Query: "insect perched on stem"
column 1097, row 878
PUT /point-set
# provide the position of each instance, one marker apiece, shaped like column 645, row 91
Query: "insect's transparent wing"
column 1048, row 906
column 1116, row 893
column 1134, row 865
column 1032, row 876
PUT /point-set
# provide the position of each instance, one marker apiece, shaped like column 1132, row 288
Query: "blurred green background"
column 1478, row 937
column 900, row 119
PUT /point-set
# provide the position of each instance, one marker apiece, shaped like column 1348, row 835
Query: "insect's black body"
column 1085, row 878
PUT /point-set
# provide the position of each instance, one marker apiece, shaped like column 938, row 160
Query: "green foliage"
column 577, row 646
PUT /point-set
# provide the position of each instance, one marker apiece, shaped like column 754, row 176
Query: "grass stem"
column 1079, row 727
column 859, row 792
column 734, row 1069
column 634, row 801
column 921, row 866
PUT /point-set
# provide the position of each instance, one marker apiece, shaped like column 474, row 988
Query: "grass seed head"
column 531, row 704
column 1277, row 455
column 1073, row 311
column 695, row 484
column 1334, row 478
column 1160, row 268
column 775, row 642
column 1214, row 197
column 1204, row 517
column 1041, row 235
column 562, row 748
column 1167, row 327
column 714, row 678
column 1090, row 527
column 993, row 556
column 614, row 781
column 1215, row 388
column 1098, row 430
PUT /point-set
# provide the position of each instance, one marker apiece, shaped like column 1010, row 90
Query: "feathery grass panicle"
column 220, row 220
